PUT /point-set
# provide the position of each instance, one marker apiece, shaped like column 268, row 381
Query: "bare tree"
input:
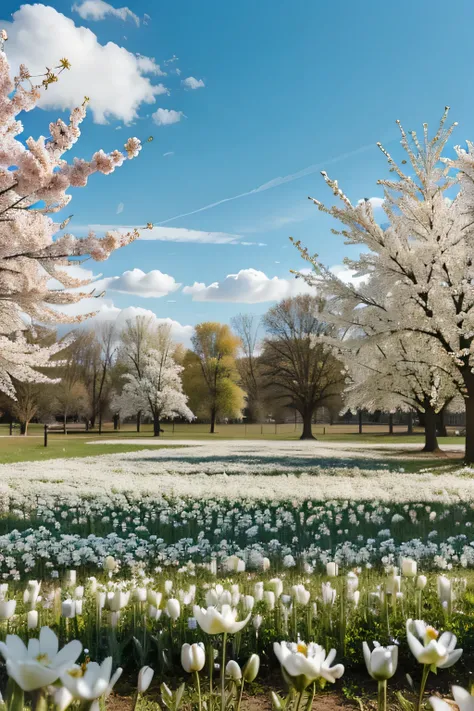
column 246, row 326
column 299, row 368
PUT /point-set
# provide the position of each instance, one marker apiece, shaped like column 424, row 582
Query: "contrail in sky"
column 275, row 182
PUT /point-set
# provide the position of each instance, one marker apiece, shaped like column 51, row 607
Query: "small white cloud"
column 178, row 71
column 120, row 207
column 146, row 19
column 151, row 284
column 348, row 276
column 115, row 79
column 193, row 83
column 172, row 59
column 248, row 286
column 376, row 202
column 168, row 234
column 98, row 10
column 166, row 117
column 168, row 153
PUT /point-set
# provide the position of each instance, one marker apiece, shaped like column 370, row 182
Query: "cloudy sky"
column 246, row 102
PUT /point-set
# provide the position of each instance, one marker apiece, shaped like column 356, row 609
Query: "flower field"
column 177, row 565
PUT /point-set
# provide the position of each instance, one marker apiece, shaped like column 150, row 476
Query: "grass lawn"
column 75, row 443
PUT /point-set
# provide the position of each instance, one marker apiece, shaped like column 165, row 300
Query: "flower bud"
column 250, row 670
column 7, row 609
column 145, row 676
column 409, row 567
column 332, row 570
column 173, row 608
column 110, row 564
column 193, row 657
column 233, row 671
column 269, row 597
column 32, row 619
column 421, row 582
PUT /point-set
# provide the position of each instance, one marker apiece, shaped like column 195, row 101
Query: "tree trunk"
column 139, row 417
column 442, row 431
column 410, row 423
column 213, row 421
column 390, row 423
column 24, row 428
column 307, row 428
column 360, row 421
column 156, row 426
column 431, row 440
column 469, row 451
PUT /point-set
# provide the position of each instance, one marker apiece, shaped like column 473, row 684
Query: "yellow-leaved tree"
column 210, row 376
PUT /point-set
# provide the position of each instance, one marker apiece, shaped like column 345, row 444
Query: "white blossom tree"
column 157, row 390
column 34, row 178
column 396, row 374
column 421, row 266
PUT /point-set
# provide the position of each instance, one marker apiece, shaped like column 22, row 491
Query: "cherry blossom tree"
column 398, row 374
column 152, row 374
column 35, row 251
column 157, row 391
column 421, row 266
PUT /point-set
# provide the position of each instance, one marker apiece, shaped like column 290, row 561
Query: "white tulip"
column 173, row 608
column 78, row 605
column 421, row 582
column 332, row 570
column 110, row 564
column 68, row 609
column 251, row 668
column 445, row 591
column 394, row 584
column 269, row 598
column 233, row 670
column 306, row 663
column 100, row 599
column 212, row 621
column 328, row 594
column 154, row 613
column 7, row 609
column 463, row 699
column 145, row 676
column 62, row 699
column 211, row 597
column 225, row 598
column 257, row 622
column 154, row 598
column 90, row 684
column 193, row 657
column 71, row 577
column 428, row 649
column 258, row 592
column 276, row 585
column 140, row 594
column 168, row 586
column 409, row 567
column 248, row 602
column 234, row 564
column 79, row 592
column 118, row 600
column 300, row 594
column 32, row 619
column 265, row 564
column 381, row 662
column 40, row 664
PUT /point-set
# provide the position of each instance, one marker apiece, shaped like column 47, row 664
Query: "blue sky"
column 286, row 86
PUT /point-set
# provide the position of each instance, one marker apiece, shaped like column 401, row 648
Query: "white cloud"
column 152, row 284
column 120, row 207
column 168, row 153
column 169, row 234
column 166, row 117
column 106, row 312
column 348, row 276
column 249, row 286
column 192, row 83
column 376, row 202
column 98, row 10
column 113, row 78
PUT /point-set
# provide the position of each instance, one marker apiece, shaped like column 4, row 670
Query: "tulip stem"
column 300, row 697
column 224, row 644
column 198, row 687
column 382, row 695
column 241, row 694
column 424, row 678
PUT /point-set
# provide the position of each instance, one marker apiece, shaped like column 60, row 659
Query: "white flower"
column 32, row 619
column 441, row 652
column 91, row 683
column 421, row 582
column 300, row 594
column 332, row 570
column 214, row 622
column 7, row 609
column 306, row 663
column 193, row 657
column 62, row 699
column 382, row 662
column 145, row 676
column 173, row 608
column 409, row 567
column 41, row 664
column 463, row 698
column 251, row 668
column 233, row 670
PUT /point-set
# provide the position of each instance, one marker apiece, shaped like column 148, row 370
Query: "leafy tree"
column 246, row 326
column 211, row 376
column 298, row 365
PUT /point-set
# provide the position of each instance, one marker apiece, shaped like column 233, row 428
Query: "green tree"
column 210, row 377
